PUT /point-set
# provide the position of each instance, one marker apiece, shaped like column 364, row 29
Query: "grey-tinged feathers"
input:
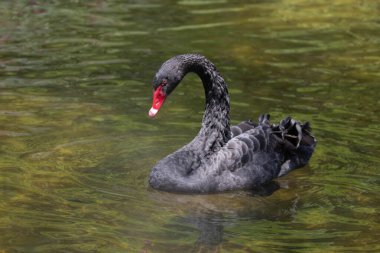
column 220, row 157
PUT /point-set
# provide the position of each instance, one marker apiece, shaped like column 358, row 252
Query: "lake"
column 77, row 146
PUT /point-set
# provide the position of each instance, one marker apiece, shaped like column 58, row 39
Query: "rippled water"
column 76, row 146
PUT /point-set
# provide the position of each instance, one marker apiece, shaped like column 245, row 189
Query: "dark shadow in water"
column 208, row 213
column 211, row 226
column 211, row 233
column 266, row 190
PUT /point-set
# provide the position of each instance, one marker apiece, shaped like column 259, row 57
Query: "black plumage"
column 223, row 158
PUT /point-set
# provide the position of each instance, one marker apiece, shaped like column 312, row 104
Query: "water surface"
column 76, row 145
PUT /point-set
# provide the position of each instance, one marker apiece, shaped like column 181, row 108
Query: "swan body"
column 223, row 158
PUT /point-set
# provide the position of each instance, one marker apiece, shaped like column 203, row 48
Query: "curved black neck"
column 215, row 131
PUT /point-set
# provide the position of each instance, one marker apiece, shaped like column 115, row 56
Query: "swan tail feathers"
column 294, row 133
column 298, row 142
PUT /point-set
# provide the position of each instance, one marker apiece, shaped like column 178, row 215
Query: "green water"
column 76, row 145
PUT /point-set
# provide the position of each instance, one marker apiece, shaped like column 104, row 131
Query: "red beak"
column 158, row 100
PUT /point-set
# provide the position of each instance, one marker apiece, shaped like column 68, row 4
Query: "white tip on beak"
column 152, row 112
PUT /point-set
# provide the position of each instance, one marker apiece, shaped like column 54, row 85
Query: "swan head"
column 165, row 81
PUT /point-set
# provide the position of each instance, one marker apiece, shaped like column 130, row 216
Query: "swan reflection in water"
column 212, row 214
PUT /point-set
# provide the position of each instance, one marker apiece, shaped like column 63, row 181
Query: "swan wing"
column 242, row 127
column 266, row 151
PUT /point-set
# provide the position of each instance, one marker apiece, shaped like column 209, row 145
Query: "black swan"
column 223, row 158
